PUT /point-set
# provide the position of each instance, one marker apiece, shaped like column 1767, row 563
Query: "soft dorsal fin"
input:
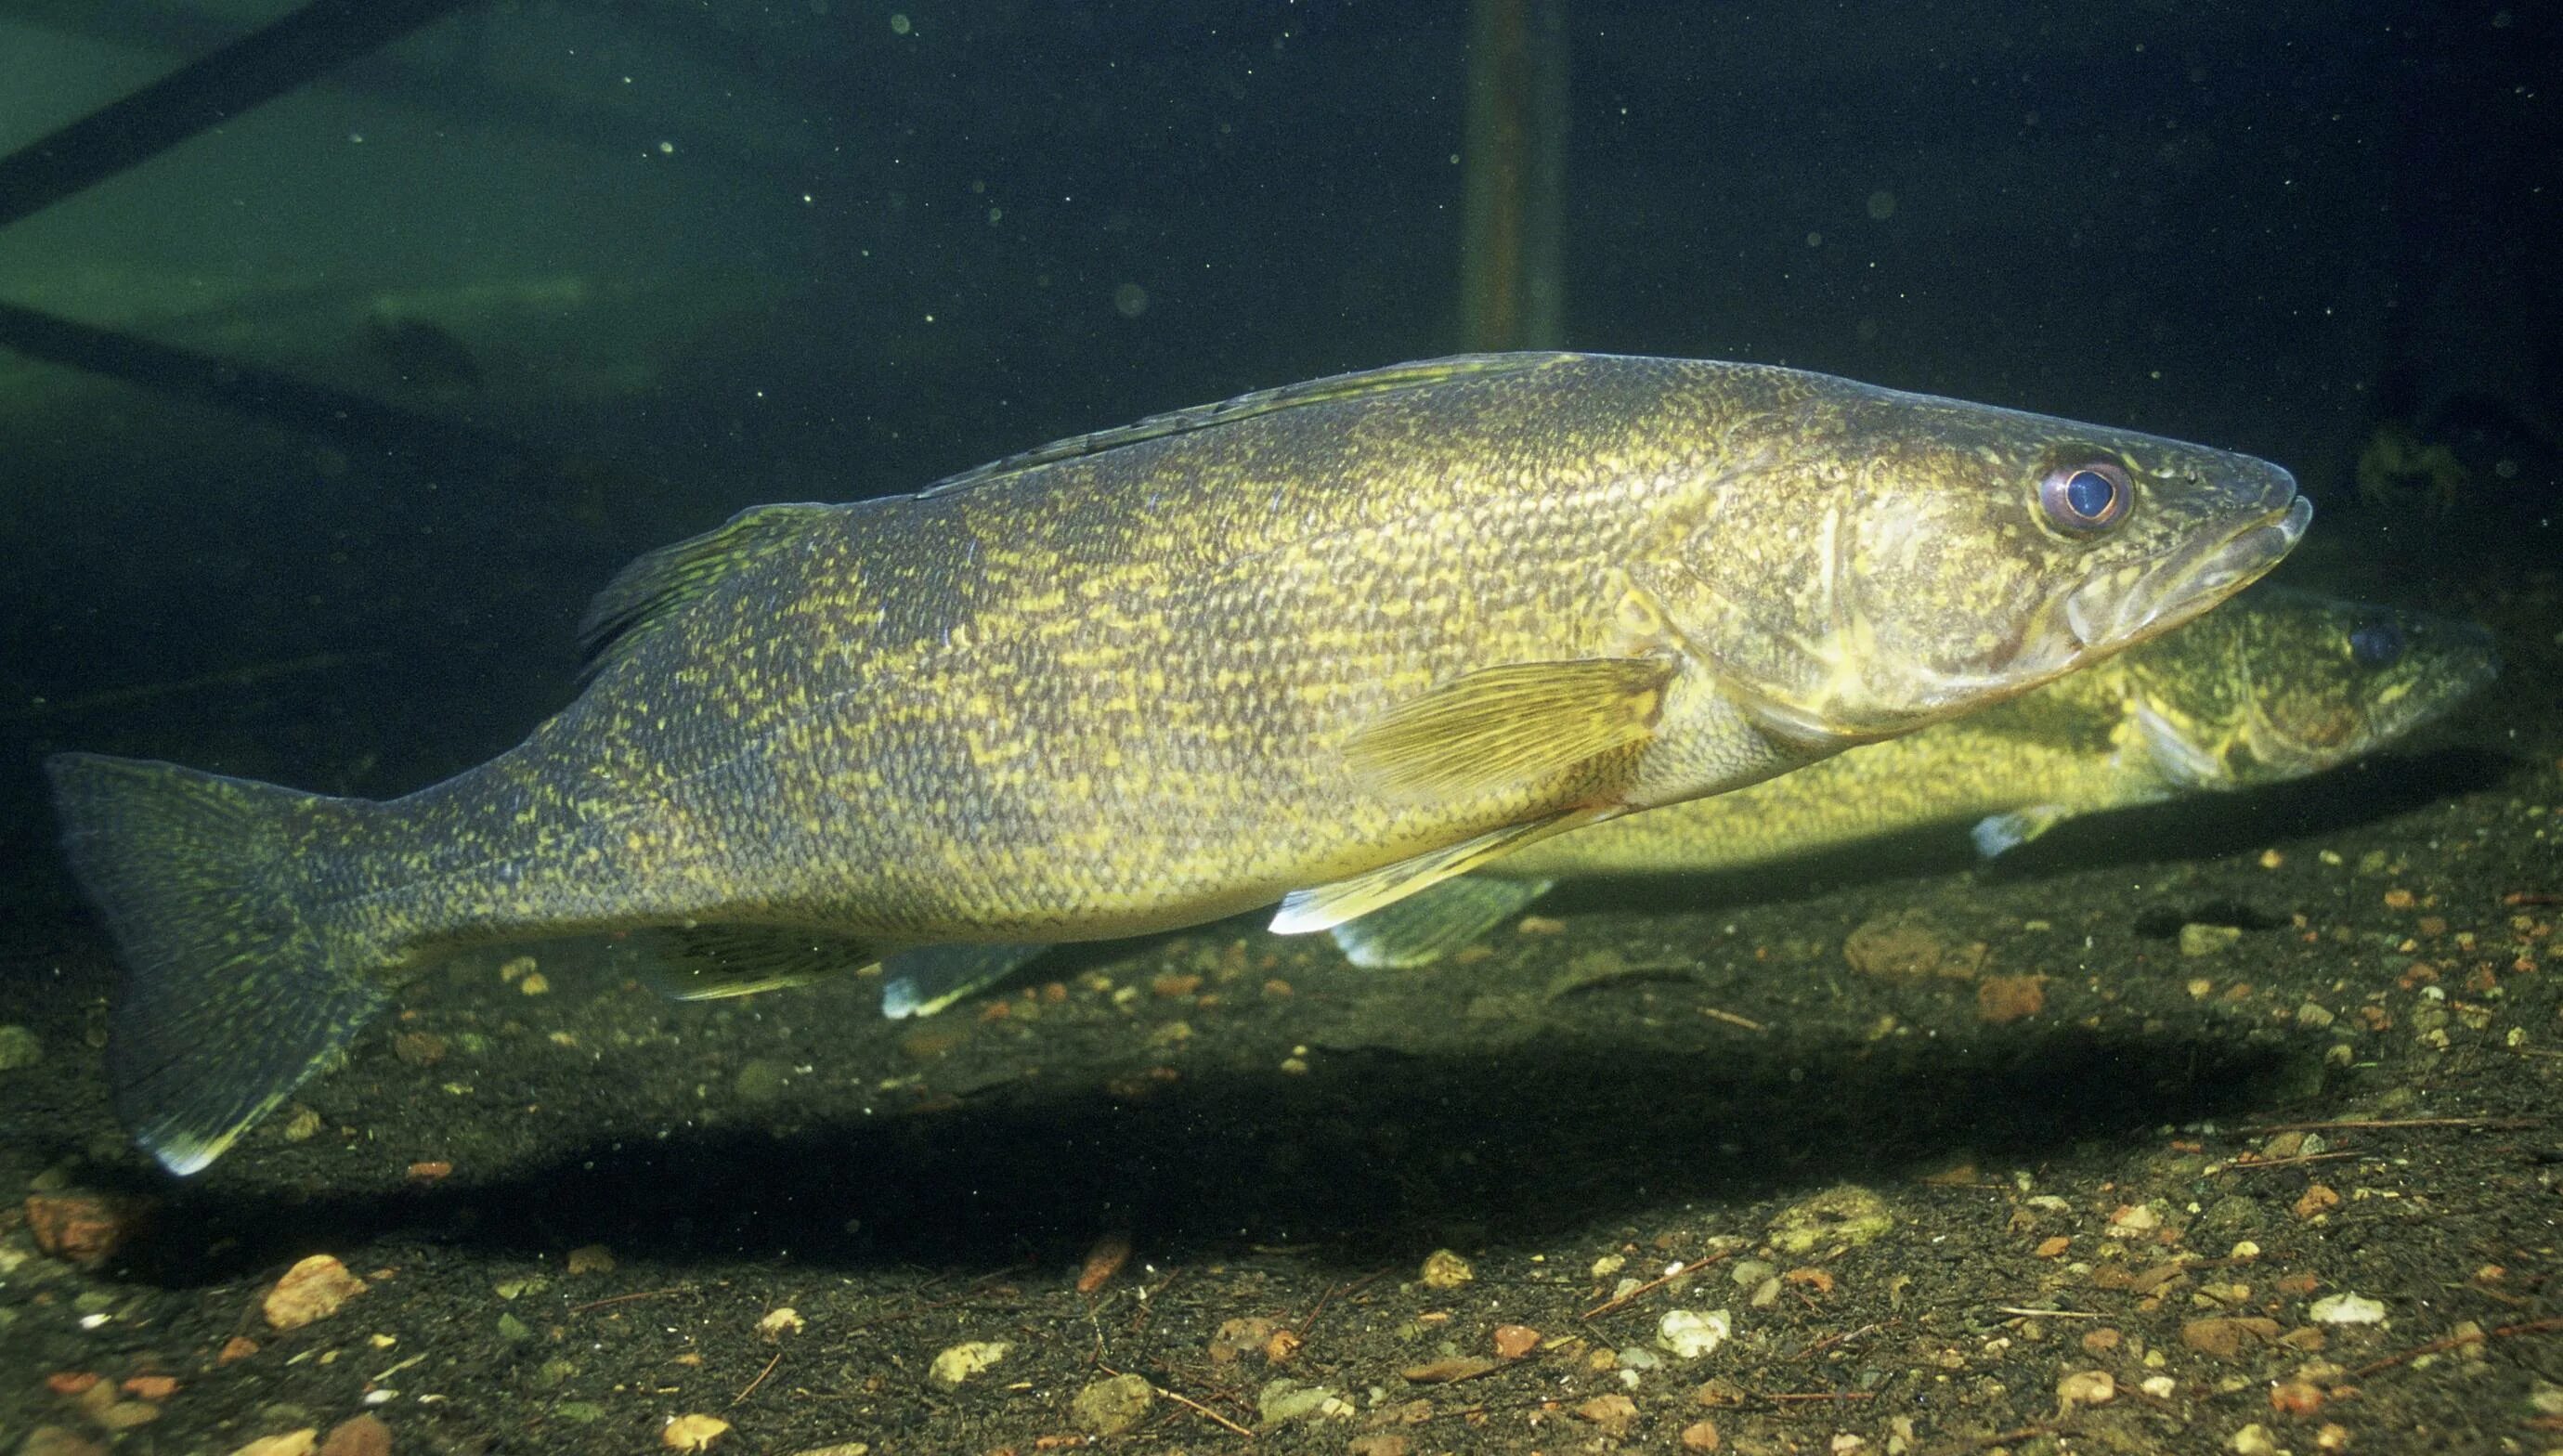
column 663, row 583
column 1394, row 379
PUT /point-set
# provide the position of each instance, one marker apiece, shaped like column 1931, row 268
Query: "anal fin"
column 712, row 962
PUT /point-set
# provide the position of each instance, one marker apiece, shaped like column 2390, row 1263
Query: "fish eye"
column 2087, row 499
column 2376, row 645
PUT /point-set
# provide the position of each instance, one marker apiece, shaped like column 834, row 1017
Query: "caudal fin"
column 235, row 990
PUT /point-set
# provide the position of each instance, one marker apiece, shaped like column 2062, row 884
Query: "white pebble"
column 1688, row 1333
column 2347, row 1309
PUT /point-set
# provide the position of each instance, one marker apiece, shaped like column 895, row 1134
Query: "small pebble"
column 692, row 1432
column 1444, row 1269
column 2132, row 1219
column 124, row 1415
column 83, row 1228
column 1846, row 1214
column 1107, row 1408
column 2004, row 999
column 1699, row 1435
column 2252, row 1440
column 1690, row 1334
column 291, row 1444
column 781, row 1322
column 1446, row 1369
column 2346, row 1308
column 960, row 1362
column 313, row 1289
column 2200, row 940
column 2227, row 1337
column 1512, row 1341
column 1613, row 1414
column 1284, row 1399
column 359, row 1435
column 2086, row 1387
column 1235, row 1338
column 2295, row 1397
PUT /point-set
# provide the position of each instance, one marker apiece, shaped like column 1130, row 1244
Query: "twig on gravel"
column 1347, row 1291
column 625, row 1299
column 977, row 1287
column 2004, row 1438
column 2257, row 1164
column 1611, row 1306
column 750, row 1387
column 1188, row 1403
column 2456, row 1341
column 1830, row 1341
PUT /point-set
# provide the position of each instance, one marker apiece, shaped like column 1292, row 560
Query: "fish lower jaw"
column 2106, row 616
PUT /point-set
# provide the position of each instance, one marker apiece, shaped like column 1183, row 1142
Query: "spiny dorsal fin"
column 1504, row 726
column 663, row 583
column 1335, row 388
column 1435, row 921
column 1328, row 906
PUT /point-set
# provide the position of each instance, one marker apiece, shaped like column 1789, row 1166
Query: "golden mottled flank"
column 1342, row 639
column 2273, row 687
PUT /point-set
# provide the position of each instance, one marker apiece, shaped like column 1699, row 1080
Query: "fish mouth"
column 2109, row 613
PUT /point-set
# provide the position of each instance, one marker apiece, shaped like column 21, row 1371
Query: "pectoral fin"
column 2179, row 760
column 924, row 980
column 1997, row 834
column 1504, row 726
column 1328, row 906
column 712, row 962
column 1435, row 921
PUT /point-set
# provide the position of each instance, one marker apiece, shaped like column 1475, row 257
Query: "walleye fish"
column 2275, row 685
column 1333, row 641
